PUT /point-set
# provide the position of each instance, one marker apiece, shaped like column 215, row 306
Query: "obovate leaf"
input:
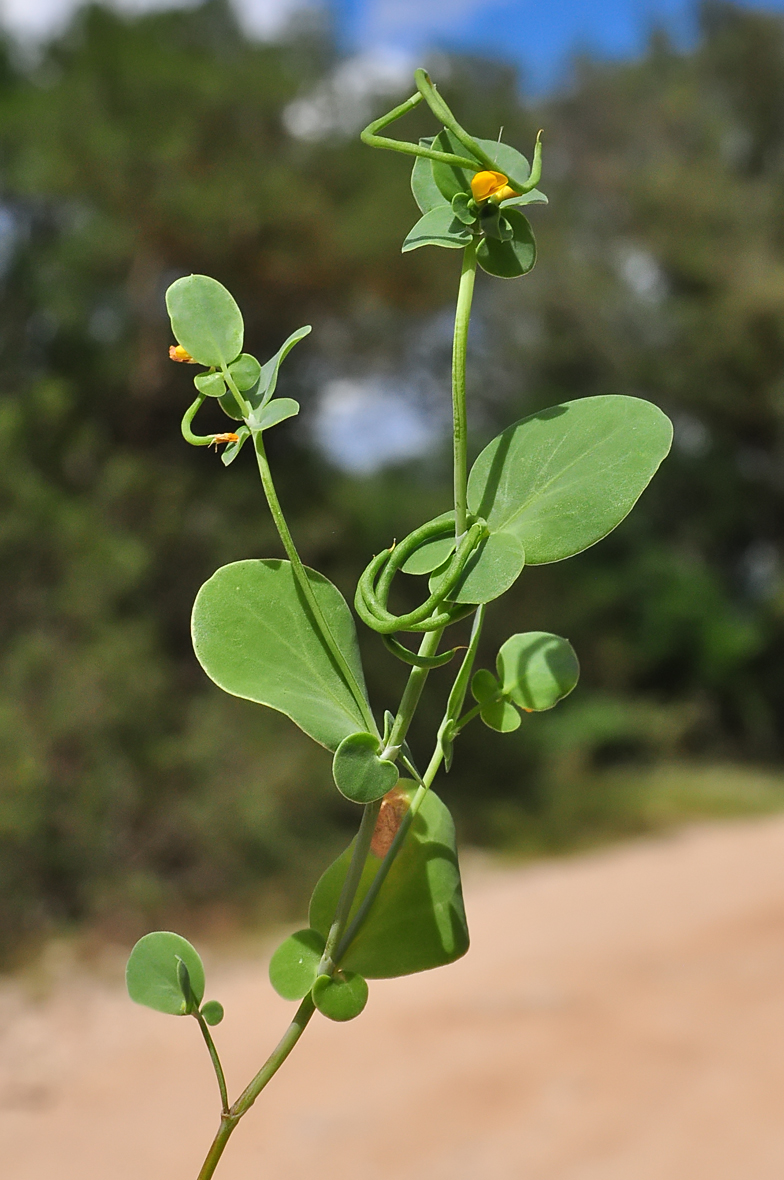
column 270, row 414
column 341, row 996
column 439, row 227
column 294, row 966
column 358, row 771
column 268, row 378
column 563, row 478
column 254, row 635
column 513, row 258
column 418, row 920
column 205, row 320
column 152, row 975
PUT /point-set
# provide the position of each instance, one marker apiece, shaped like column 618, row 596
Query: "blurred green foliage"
column 136, row 150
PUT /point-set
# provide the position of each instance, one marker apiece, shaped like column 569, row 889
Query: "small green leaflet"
column 359, row 774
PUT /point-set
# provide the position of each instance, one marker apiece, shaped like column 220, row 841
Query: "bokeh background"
column 137, row 145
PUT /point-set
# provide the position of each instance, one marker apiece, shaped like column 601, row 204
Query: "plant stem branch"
column 216, row 1062
column 251, row 1092
column 350, row 885
column 460, row 422
column 413, row 691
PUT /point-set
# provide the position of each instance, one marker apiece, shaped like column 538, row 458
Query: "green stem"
column 216, row 1063
column 413, row 691
column 251, row 1092
column 462, row 317
column 469, row 716
column 304, row 584
column 350, row 885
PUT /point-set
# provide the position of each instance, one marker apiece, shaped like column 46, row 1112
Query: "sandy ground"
column 620, row 1015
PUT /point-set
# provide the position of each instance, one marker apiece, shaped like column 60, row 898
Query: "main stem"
column 340, row 937
column 465, row 296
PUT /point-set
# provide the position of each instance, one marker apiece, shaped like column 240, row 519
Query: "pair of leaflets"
column 535, row 670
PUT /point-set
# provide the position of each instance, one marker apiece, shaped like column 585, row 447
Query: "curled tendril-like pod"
column 413, row 659
column 437, row 611
column 202, row 440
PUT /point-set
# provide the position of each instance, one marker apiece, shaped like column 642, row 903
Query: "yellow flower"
column 487, row 184
column 178, row 353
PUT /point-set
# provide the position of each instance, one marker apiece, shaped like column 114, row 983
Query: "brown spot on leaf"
column 394, row 806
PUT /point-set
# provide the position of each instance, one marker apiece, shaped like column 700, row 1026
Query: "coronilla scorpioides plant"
column 278, row 633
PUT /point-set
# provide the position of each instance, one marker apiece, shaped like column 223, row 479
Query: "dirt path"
column 619, row 1016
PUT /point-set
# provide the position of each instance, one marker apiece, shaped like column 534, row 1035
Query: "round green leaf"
column 509, row 260
column 537, row 669
column 426, row 192
column 152, row 976
column 245, row 372
column 294, row 966
column 484, row 687
column 210, row 384
column 212, row 1012
column 254, row 637
column 358, row 771
column 562, row 479
column 418, row 920
column 494, row 566
column 341, row 996
column 439, row 227
column 205, row 320
column 500, row 716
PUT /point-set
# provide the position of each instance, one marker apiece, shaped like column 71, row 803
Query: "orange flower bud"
column 178, row 353
column 487, row 184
